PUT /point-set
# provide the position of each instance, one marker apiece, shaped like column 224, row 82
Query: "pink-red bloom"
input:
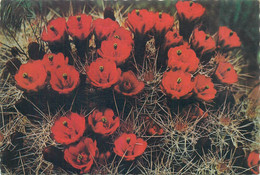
column 53, row 61
column 122, row 34
column 69, row 128
column 163, row 22
column 228, row 38
column 204, row 88
column 177, row 84
column 226, row 73
column 253, row 162
column 173, row 38
column 189, row 10
column 31, row 76
column 80, row 26
column 81, row 156
column 129, row 147
column 129, row 85
column 183, row 58
column 104, row 27
column 104, row 122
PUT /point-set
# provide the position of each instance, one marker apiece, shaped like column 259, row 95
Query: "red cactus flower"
column 79, row 26
column 153, row 128
column 189, row 10
column 122, row 34
column 204, row 88
column 228, row 38
column 104, row 123
column 64, row 79
column 81, row 156
column 173, row 38
column 69, row 128
column 55, row 30
column 129, row 147
column 31, row 76
column 177, row 84
column 103, row 73
column 104, row 156
column 163, row 22
column 193, row 112
column 253, row 162
column 226, row 73
column 115, row 50
column 140, row 21
column 183, row 58
column 104, row 27
column 129, row 85
column 53, row 61
column 202, row 42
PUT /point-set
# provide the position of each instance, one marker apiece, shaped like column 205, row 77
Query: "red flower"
column 253, row 162
column 183, row 58
column 103, row 73
column 79, row 26
column 104, row 123
column 81, row 156
column 55, row 31
column 153, row 128
column 226, row 73
column 140, row 21
column 115, row 50
column 31, row 76
column 189, row 10
column 193, row 112
column 53, row 61
column 122, row 34
column 163, row 22
column 204, row 88
column 64, row 79
column 228, row 38
column 202, row 42
column 68, row 129
column 177, row 84
column 104, row 27
column 129, row 147
column 173, row 38
column 129, row 85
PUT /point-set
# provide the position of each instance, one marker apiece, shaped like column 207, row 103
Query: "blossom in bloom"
column 177, row 84
column 202, row 42
column 140, row 21
column 69, row 128
column 31, row 76
column 104, row 122
column 55, row 30
column 153, row 128
column 103, row 73
column 129, row 85
column 189, row 10
column 64, row 79
column 104, row 27
column 80, row 26
column 204, row 88
column 226, row 73
column 115, row 50
column 173, row 38
column 183, row 58
column 163, row 22
column 253, row 162
column 129, row 147
column 122, row 34
column 228, row 38
column 53, row 61
column 81, row 156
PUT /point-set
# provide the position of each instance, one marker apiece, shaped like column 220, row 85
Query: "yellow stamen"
column 101, row 68
column 25, row 75
column 179, row 80
column 65, row 76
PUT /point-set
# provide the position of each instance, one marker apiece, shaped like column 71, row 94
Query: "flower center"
column 191, row 3
column 78, row 18
column 115, row 45
column 65, row 123
column 178, row 52
column 179, row 80
column 127, row 85
column 207, row 87
column 101, row 68
column 128, row 139
column 65, row 76
column 52, row 28
column 228, row 69
column 79, row 157
column 160, row 14
column 137, row 12
column 175, row 35
column 116, row 36
column 50, row 57
column 25, row 75
column 231, row 33
column 104, row 119
column 207, row 36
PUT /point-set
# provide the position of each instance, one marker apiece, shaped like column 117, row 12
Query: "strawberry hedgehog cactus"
column 128, row 88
